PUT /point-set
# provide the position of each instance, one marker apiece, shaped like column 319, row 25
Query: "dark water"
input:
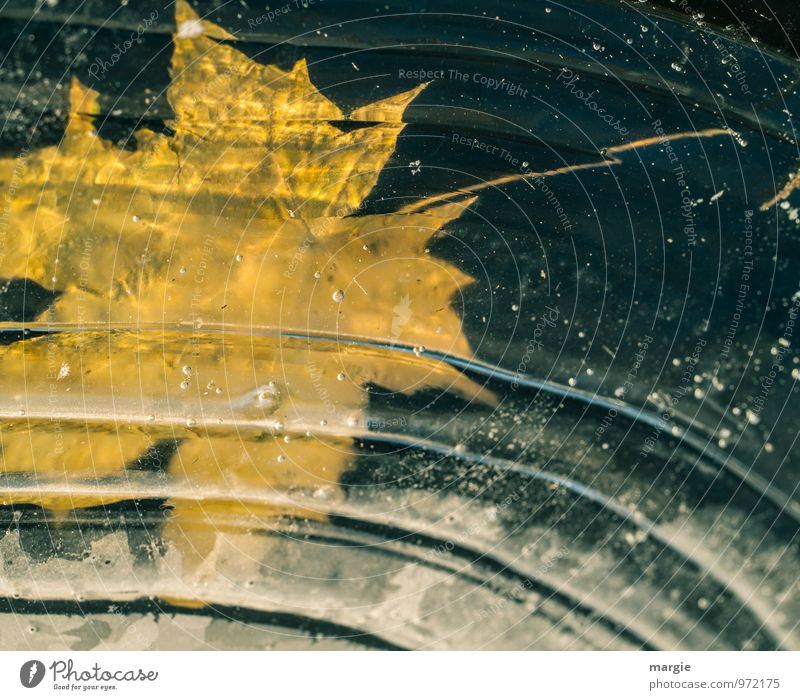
column 633, row 481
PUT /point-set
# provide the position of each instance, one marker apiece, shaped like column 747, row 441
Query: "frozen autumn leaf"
column 186, row 275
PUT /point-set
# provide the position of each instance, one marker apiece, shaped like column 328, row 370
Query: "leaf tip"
column 83, row 105
column 189, row 25
column 389, row 110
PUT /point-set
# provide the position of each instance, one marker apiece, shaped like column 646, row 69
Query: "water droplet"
column 187, row 370
column 136, row 218
column 338, row 295
column 239, row 258
column 752, row 417
column 341, row 376
column 267, row 395
column 418, row 350
column 323, row 492
column 184, row 384
column 190, row 29
column 323, row 422
column 677, row 67
column 317, row 275
column 281, row 458
column 150, row 418
column 191, row 422
column 182, row 270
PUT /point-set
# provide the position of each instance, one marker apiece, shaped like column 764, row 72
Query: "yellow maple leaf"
column 190, row 276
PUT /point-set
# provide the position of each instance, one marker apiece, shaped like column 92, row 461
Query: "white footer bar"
column 401, row 676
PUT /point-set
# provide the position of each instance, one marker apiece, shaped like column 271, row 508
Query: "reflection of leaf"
column 245, row 216
column 402, row 315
